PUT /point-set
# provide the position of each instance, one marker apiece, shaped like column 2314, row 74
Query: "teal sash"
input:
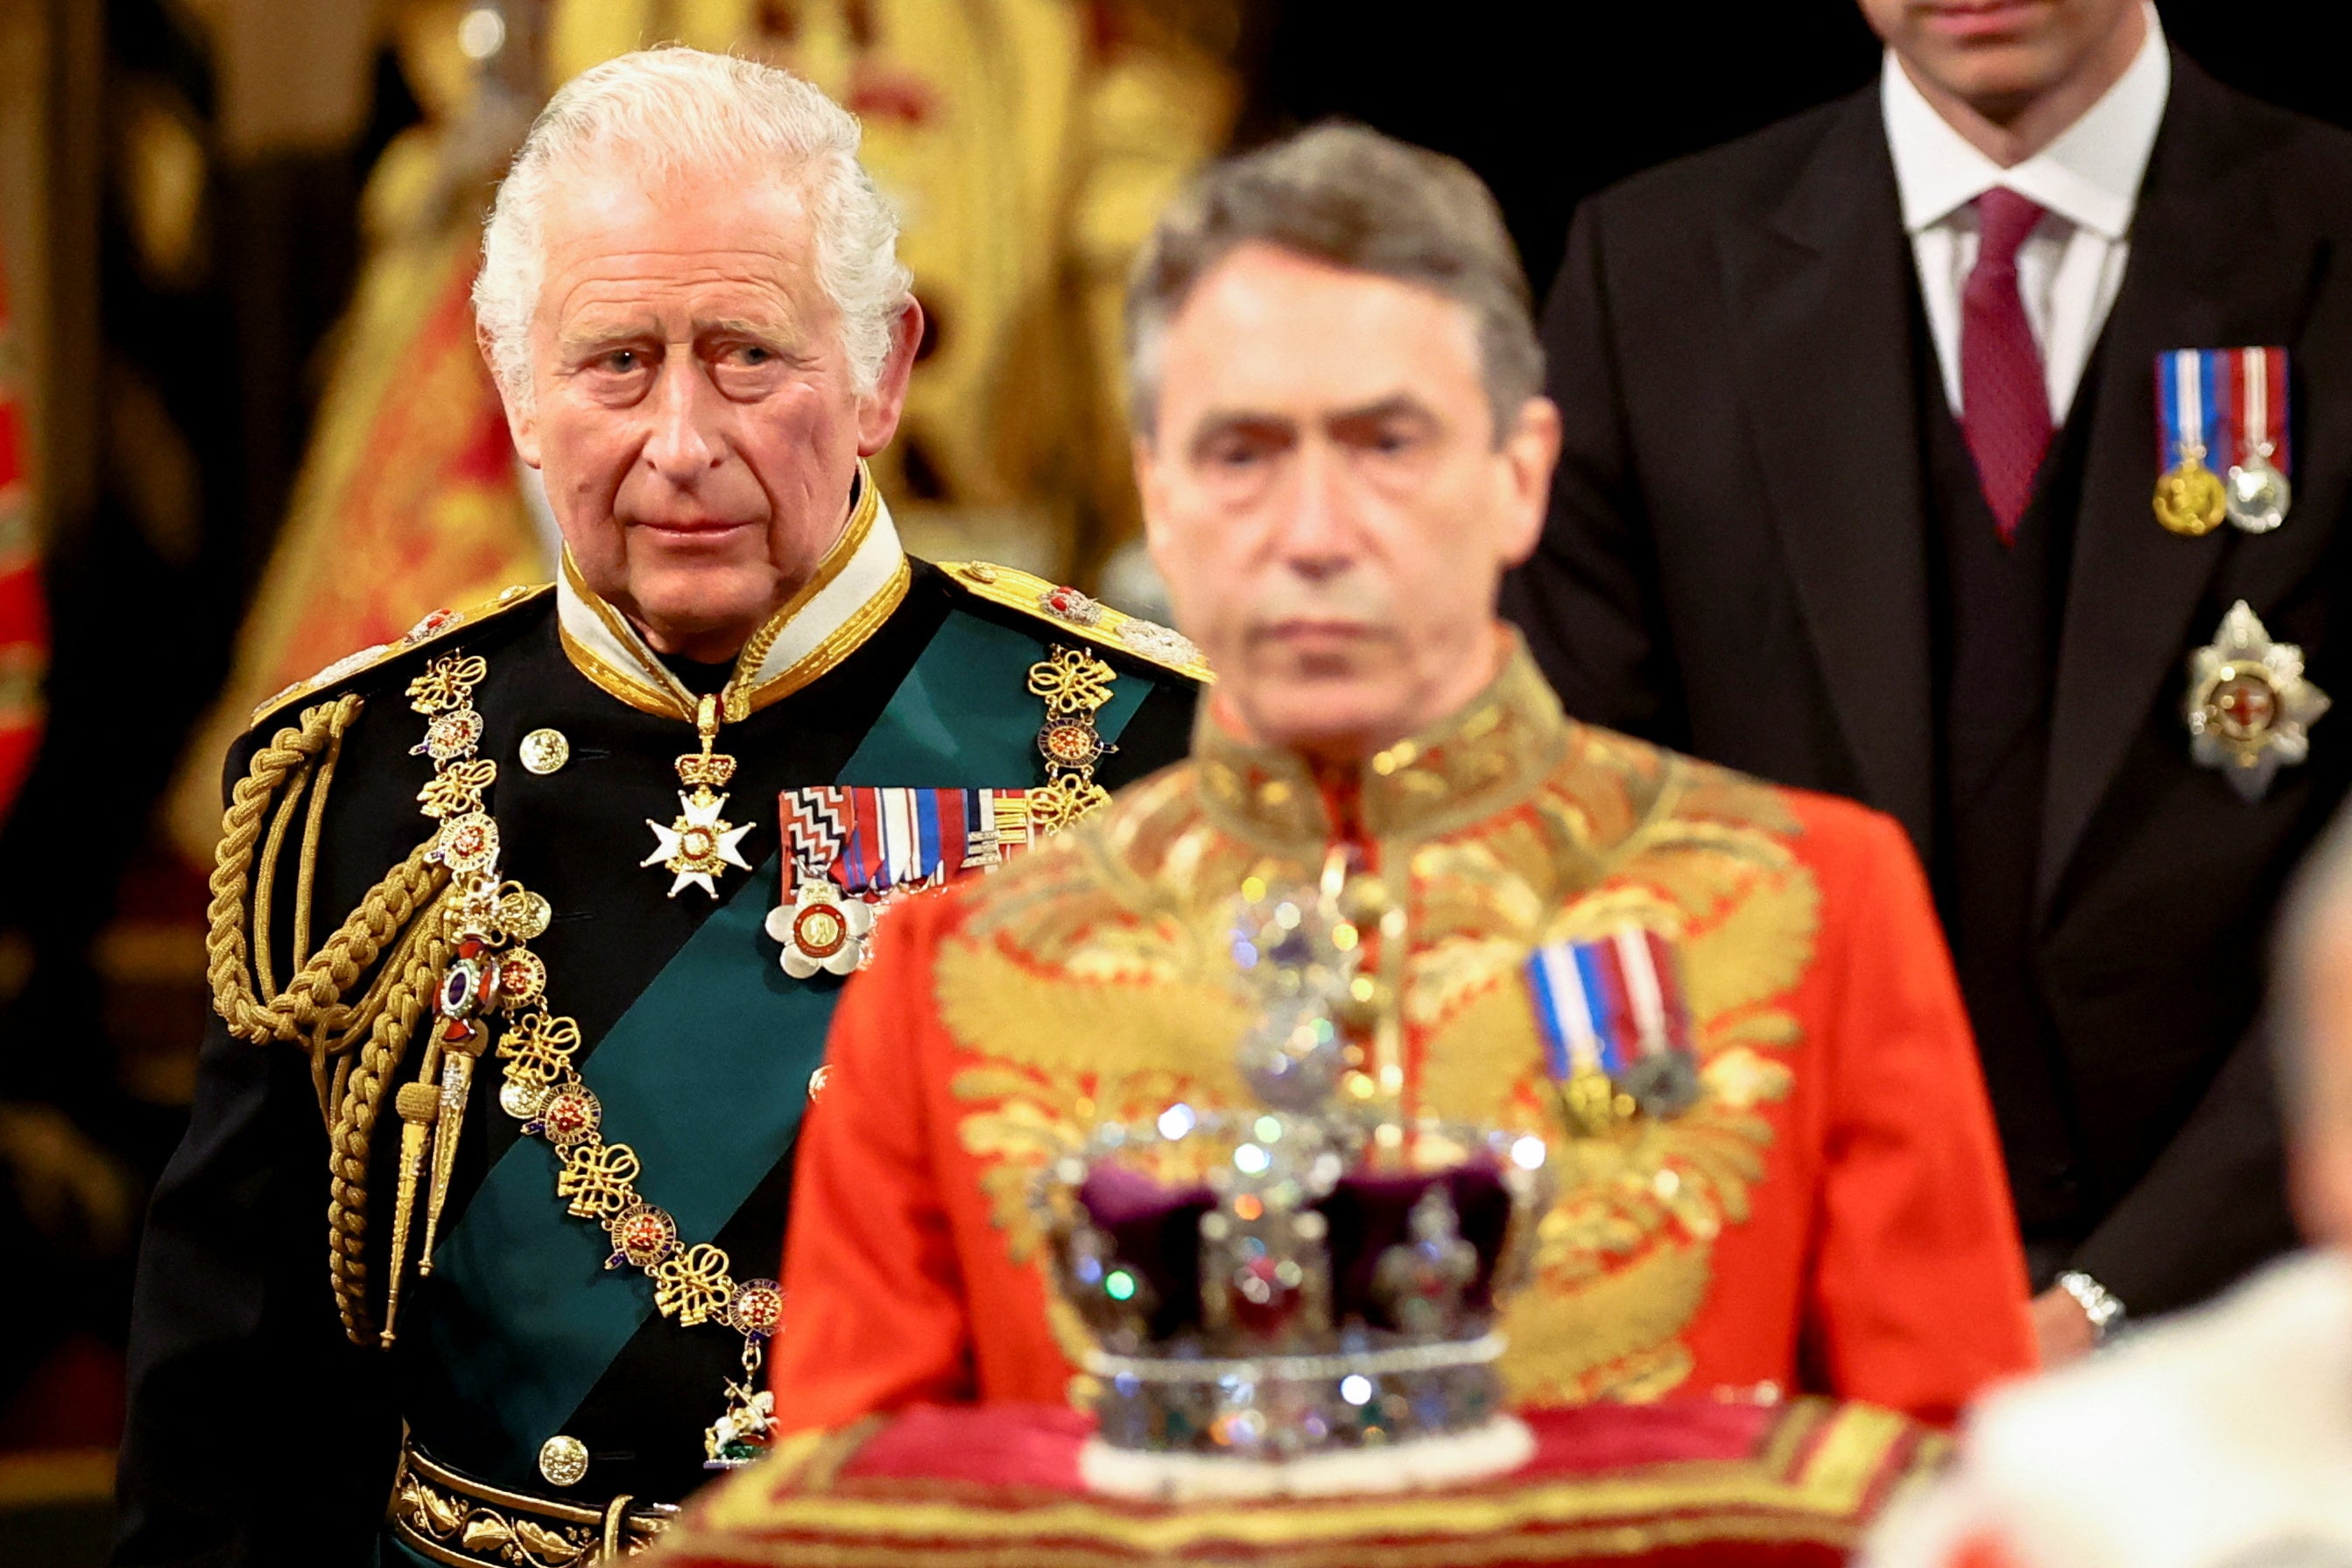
column 705, row 1076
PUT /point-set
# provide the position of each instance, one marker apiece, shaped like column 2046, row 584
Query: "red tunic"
column 1831, row 1216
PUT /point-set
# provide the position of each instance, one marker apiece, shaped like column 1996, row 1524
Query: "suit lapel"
column 2206, row 271
column 1820, row 294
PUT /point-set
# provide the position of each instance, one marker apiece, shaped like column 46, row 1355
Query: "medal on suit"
column 2250, row 710
column 821, row 929
column 2190, row 500
column 2255, row 381
column 1616, row 1032
column 856, row 848
column 700, row 845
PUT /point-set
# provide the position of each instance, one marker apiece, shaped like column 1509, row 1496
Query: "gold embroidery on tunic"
column 1089, row 985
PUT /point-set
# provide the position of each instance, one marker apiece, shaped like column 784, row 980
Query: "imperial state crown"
column 1294, row 1298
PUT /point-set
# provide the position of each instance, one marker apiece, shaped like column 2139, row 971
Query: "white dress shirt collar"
column 2089, row 175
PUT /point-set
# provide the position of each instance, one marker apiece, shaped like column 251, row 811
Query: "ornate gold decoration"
column 446, row 1517
column 1072, row 681
column 1069, row 798
column 1506, row 828
column 543, row 752
column 434, row 627
column 1075, row 686
column 1103, row 623
column 1817, row 1475
column 599, row 1179
column 454, row 792
column 693, row 1286
column 700, row 845
column 563, row 1460
column 448, row 683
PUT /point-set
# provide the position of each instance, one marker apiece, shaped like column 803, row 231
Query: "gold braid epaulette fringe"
column 354, row 1048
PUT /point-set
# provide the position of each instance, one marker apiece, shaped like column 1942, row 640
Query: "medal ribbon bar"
column 2189, row 397
column 1612, row 1013
column 2254, row 392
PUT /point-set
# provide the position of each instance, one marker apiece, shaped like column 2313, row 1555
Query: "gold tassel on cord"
column 419, row 1104
column 457, row 1080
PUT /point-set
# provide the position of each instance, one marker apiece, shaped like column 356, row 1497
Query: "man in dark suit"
column 1861, row 437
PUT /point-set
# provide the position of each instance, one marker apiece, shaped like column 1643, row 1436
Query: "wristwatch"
column 2098, row 1304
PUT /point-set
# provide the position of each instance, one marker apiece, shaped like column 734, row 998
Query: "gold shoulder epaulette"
column 1069, row 611
column 432, row 629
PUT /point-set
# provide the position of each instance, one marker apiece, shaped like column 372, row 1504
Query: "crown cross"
column 1420, row 1281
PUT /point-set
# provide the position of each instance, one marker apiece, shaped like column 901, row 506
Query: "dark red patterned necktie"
column 2004, row 402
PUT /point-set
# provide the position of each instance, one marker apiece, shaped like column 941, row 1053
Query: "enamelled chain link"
column 493, row 970
column 1075, row 686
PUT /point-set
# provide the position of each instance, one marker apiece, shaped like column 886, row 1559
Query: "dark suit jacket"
column 1737, row 564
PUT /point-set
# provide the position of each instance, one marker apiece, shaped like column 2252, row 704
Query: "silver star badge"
column 700, row 845
column 2249, row 709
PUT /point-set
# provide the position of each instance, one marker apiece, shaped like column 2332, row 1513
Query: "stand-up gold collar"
column 1486, row 758
column 856, row 586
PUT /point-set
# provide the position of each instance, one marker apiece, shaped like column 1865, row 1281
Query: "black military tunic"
column 260, row 1431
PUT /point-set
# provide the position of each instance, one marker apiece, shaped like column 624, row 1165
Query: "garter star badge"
column 2250, row 710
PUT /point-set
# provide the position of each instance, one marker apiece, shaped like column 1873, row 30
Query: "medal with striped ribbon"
column 1615, row 1028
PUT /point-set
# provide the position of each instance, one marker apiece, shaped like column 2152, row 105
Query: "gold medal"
column 2190, row 500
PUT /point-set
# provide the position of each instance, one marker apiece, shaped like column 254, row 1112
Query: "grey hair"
column 2314, row 929
column 1350, row 196
column 674, row 109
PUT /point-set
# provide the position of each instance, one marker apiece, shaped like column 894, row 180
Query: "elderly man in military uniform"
column 527, row 928
column 1724, row 1005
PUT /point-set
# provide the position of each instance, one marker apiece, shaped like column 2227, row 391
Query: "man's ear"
column 878, row 411
column 522, row 425
column 1528, row 453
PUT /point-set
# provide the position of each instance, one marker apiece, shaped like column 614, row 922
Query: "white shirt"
column 2087, row 180
column 2220, row 1438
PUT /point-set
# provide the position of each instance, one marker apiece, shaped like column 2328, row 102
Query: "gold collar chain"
column 495, row 973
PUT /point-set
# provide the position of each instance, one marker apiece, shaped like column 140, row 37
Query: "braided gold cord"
column 355, row 1049
column 306, row 874
column 312, row 1004
column 264, row 877
column 414, row 971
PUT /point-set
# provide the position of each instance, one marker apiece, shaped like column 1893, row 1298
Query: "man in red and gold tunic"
column 1342, row 447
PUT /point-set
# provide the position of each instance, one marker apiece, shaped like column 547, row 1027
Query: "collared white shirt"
column 2087, row 180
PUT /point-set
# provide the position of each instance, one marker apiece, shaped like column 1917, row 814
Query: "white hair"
column 672, row 111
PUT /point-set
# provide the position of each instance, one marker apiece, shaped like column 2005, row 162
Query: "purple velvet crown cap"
column 1154, row 1233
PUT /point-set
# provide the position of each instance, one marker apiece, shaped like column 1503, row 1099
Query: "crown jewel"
column 1293, row 1279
